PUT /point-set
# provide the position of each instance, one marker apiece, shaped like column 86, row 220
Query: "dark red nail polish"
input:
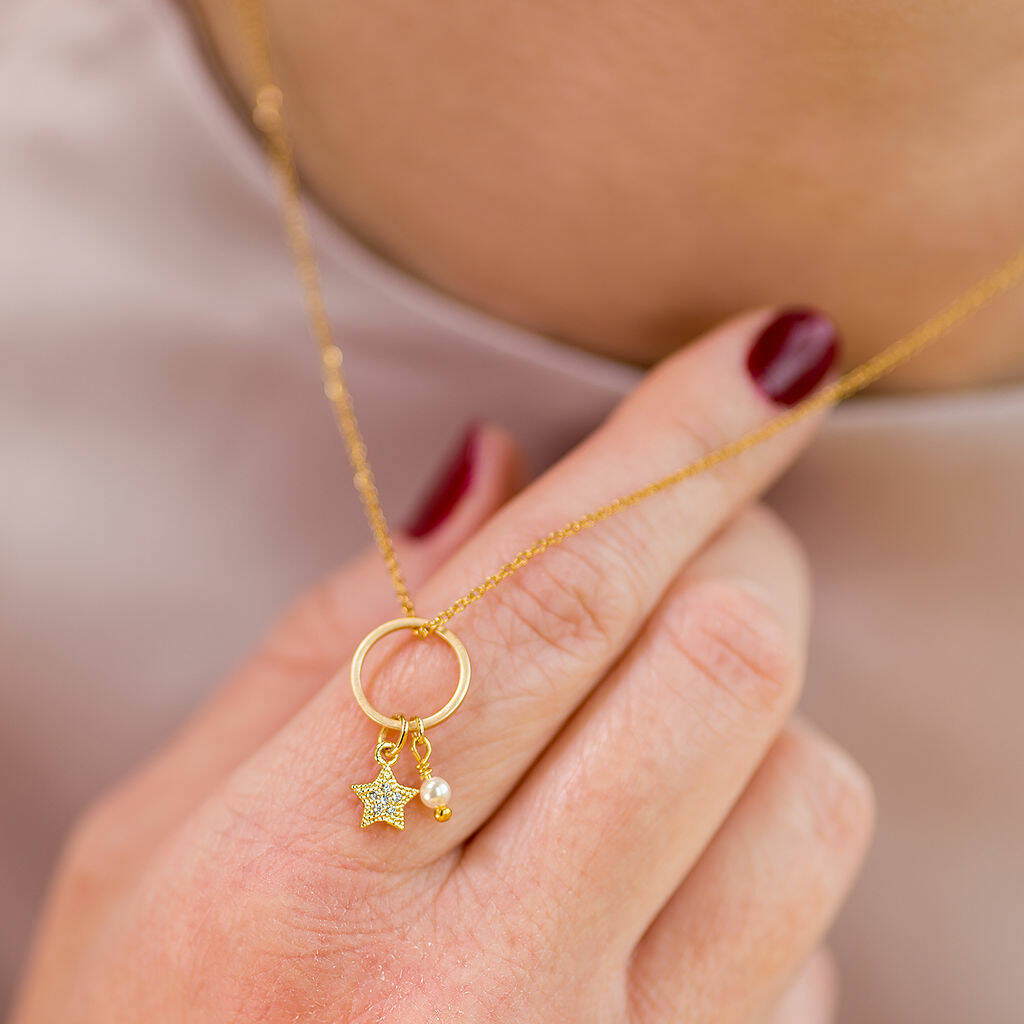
column 450, row 487
column 792, row 355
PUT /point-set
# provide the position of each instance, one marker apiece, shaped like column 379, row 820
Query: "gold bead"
column 270, row 96
column 442, row 813
column 266, row 114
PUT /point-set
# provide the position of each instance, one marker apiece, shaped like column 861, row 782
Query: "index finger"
column 543, row 638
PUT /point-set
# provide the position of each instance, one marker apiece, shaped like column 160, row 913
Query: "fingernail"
column 793, row 354
column 451, row 485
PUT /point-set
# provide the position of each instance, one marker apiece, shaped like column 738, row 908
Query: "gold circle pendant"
column 394, row 626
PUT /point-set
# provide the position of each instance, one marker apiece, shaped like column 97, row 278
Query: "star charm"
column 384, row 799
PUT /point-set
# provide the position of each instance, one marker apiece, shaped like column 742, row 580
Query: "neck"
column 621, row 177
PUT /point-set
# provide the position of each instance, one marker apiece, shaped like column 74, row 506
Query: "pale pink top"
column 171, row 477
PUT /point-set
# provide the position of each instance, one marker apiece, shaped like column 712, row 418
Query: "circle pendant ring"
column 394, row 626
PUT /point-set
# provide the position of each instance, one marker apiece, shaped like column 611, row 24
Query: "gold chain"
column 267, row 116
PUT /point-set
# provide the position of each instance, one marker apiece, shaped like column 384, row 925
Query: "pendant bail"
column 387, row 752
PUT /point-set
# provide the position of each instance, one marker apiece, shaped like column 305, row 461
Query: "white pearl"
column 435, row 792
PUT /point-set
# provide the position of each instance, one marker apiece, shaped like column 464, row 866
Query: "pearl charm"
column 435, row 792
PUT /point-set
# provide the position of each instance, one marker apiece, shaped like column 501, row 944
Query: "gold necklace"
column 384, row 799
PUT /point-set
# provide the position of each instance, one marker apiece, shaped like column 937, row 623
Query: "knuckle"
column 738, row 643
column 833, row 800
column 694, row 428
column 576, row 599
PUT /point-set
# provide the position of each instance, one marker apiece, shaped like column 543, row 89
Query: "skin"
column 688, row 163
column 641, row 833
column 623, row 175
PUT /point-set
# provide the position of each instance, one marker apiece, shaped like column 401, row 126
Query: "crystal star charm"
column 384, row 799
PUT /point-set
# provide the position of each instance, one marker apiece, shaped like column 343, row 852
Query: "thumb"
column 301, row 652
column 113, row 841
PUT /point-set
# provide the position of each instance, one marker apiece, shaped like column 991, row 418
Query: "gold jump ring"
column 394, row 626
column 383, row 742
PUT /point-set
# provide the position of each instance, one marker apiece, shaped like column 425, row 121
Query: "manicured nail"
column 792, row 355
column 451, row 485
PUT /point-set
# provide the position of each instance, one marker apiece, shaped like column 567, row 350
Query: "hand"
column 638, row 834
